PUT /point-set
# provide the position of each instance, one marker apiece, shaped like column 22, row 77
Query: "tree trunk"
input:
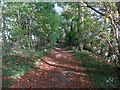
column 19, row 24
column 72, row 25
column 110, row 49
column 118, row 33
column 1, row 27
column 80, row 31
column 4, row 44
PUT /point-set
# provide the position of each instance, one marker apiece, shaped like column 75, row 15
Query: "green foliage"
column 71, row 38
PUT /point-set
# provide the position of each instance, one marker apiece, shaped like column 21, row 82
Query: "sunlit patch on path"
column 57, row 70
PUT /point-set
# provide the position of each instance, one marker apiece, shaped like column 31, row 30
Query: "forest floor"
column 58, row 70
column 61, row 68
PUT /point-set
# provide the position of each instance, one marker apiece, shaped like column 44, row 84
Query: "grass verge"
column 101, row 73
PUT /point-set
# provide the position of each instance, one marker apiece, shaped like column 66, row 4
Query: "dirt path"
column 58, row 70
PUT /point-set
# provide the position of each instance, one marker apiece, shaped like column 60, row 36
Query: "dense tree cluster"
column 91, row 26
column 30, row 28
column 95, row 27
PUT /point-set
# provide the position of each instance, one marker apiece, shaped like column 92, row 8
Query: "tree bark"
column 72, row 25
column 80, row 31
column 3, row 32
column 118, row 41
column 1, row 27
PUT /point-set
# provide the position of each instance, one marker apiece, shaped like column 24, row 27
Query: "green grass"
column 101, row 74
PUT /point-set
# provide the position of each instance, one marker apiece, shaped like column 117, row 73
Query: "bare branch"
column 94, row 9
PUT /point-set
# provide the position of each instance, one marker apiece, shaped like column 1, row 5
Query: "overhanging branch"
column 94, row 9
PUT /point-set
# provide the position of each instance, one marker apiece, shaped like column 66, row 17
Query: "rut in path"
column 58, row 70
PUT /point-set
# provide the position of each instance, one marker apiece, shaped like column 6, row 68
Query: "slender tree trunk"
column 32, row 45
column 1, row 27
column 71, row 29
column 110, row 49
column 3, row 33
column 72, row 25
column 80, row 31
column 19, row 24
column 118, row 6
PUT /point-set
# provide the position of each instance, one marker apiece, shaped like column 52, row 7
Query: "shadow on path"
column 57, row 70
